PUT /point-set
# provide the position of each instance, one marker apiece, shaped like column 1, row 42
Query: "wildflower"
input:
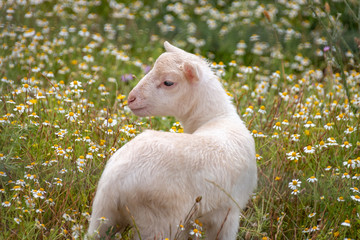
column 93, row 148
column 103, row 219
column 346, row 223
column 6, row 204
column 340, row 199
column 262, row 110
column 356, row 176
column 75, row 84
column 309, row 149
column 356, row 198
column 110, row 122
column 295, row 137
column 355, row 189
column 321, row 145
column 195, row 232
column 309, row 124
column 346, row 144
column 350, row 163
column 314, row 229
column 181, row 227
column 312, row 179
column 350, row 130
column 285, row 122
column 277, row 126
column 294, row 184
column 295, row 192
column 71, row 116
column 284, row 96
column 16, row 188
column 346, row 175
column 17, row 220
column 35, row 69
column 293, row 156
column 317, row 115
column 250, row 109
column 311, row 215
column 39, row 210
column 84, row 32
column 275, row 135
column 331, row 141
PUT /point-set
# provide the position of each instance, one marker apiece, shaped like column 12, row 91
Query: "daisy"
column 195, row 232
column 321, row 145
column 317, row 115
column 312, row 179
column 71, row 116
column 17, row 220
column 293, row 155
column 346, row 223
column 356, row 198
column 341, row 199
column 350, row 163
column 277, row 126
column 6, row 204
column 331, row 141
column 314, row 229
column 294, row 184
column 355, row 189
column 350, row 130
column 75, row 84
column 311, row 215
column 284, row 96
column 309, row 149
column 346, row 175
column 103, row 219
column 275, row 135
column 295, row 137
column 356, row 176
column 110, row 122
column 346, row 144
column 262, row 110
column 309, row 124
column 328, row 126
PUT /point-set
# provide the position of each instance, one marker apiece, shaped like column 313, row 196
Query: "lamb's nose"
column 131, row 99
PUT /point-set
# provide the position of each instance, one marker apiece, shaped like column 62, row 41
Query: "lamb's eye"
column 168, row 83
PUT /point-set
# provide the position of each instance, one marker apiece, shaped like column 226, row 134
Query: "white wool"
column 154, row 179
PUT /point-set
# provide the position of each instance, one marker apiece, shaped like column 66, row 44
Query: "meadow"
column 291, row 68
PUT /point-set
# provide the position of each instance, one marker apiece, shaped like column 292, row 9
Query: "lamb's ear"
column 171, row 48
column 191, row 71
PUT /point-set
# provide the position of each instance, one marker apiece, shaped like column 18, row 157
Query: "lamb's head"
column 170, row 87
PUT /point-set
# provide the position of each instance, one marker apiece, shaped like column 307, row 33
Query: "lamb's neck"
column 200, row 116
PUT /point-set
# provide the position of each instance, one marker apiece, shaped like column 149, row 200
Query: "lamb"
column 152, row 182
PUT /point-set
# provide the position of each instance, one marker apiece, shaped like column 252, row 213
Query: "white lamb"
column 151, row 183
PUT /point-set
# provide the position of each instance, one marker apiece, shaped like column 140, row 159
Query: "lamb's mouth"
column 139, row 111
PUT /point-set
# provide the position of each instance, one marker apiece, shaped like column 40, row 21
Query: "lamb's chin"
column 141, row 112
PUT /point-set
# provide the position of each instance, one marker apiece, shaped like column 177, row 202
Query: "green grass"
column 49, row 169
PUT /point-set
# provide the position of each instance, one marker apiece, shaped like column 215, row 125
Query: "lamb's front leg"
column 105, row 217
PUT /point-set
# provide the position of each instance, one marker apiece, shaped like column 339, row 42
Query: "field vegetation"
column 291, row 68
